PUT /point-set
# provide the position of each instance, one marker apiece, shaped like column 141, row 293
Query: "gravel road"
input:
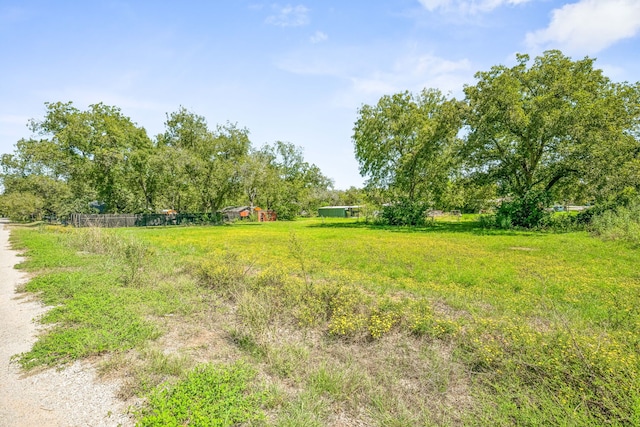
column 69, row 397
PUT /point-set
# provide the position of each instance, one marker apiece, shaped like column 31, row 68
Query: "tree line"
column 98, row 159
column 551, row 129
column 546, row 130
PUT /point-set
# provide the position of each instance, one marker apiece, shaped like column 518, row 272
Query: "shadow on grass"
column 464, row 227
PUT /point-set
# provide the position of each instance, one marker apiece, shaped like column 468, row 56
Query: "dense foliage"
column 404, row 212
column 404, row 143
column 99, row 160
column 525, row 211
column 546, row 130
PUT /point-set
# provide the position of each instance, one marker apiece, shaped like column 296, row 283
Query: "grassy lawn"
column 338, row 322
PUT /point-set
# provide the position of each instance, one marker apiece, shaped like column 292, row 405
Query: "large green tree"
column 204, row 173
column 259, row 178
column 85, row 156
column 405, row 143
column 551, row 127
column 292, row 186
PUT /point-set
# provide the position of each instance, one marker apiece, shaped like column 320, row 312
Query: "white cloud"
column 318, row 37
column 467, row 6
column 415, row 72
column 436, row 4
column 289, row 16
column 588, row 26
column 366, row 77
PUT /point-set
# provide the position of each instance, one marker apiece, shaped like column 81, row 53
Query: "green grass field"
column 338, row 322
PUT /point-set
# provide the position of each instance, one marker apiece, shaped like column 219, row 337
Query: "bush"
column 526, row 211
column 586, row 217
column 405, row 212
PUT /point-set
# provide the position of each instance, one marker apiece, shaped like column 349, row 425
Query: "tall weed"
column 226, row 274
column 623, row 223
column 131, row 254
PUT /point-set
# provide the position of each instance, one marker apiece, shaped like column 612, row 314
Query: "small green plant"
column 210, row 396
column 298, row 252
column 423, row 322
column 136, row 256
column 287, row 360
column 256, row 311
column 247, row 343
column 348, row 312
column 380, row 323
column 307, row 409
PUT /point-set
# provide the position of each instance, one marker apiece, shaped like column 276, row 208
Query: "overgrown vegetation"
column 342, row 322
column 621, row 223
column 527, row 211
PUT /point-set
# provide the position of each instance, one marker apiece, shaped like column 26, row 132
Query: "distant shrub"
column 585, row 218
column 561, row 222
column 487, row 220
column 21, row 207
column 404, row 212
column 528, row 211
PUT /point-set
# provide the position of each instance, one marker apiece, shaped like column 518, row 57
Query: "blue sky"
column 294, row 72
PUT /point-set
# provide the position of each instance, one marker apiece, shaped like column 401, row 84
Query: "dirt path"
column 67, row 398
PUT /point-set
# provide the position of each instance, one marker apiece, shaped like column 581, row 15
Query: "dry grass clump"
column 368, row 359
column 377, row 370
